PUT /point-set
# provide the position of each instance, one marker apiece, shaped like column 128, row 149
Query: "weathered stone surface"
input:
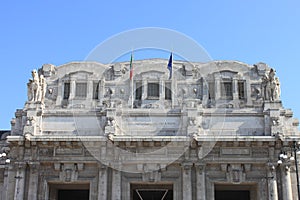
column 214, row 126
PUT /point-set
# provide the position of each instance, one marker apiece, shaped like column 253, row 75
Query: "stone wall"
column 217, row 126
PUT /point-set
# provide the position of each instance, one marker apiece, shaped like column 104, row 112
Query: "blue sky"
column 57, row 32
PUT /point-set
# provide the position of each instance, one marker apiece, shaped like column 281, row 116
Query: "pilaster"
column 72, row 89
column 90, row 90
column 116, row 184
column 145, row 90
column 102, row 183
column 235, row 89
column 162, row 90
column 200, row 177
column 9, row 183
column 286, row 182
column 248, row 91
column 20, row 181
column 217, row 88
column 33, row 181
column 187, row 181
column 272, row 182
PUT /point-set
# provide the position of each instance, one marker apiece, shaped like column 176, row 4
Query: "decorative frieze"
column 68, row 172
column 61, row 151
column 227, row 151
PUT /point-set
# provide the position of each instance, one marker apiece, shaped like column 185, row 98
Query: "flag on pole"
column 170, row 65
column 131, row 67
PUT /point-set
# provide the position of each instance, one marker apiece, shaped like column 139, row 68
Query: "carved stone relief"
column 68, row 172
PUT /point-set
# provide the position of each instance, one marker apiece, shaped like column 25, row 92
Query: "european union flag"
column 170, row 65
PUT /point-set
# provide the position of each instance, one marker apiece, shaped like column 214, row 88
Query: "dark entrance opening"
column 232, row 195
column 75, row 191
column 73, row 194
column 235, row 191
column 152, row 192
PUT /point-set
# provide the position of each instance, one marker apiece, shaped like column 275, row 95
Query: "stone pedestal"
column 272, row 105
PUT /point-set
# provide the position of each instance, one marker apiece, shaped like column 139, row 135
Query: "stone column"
column 235, row 89
column 116, row 185
column 33, row 181
column 272, row 183
column 101, row 90
column 187, row 181
column 132, row 92
column 20, row 181
column 5, row 184
column 162, row 90
column 60, row 89
column 205, row 88
column 72, row 89
column 200, row 187
column 174, row 91
column 9, row 180
column 248, row 91
column 90, row 90
column 145, row 90
column 217, row 88
column 286, row 183
column 102, row 183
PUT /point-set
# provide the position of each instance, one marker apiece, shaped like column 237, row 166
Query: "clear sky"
column 57, row 32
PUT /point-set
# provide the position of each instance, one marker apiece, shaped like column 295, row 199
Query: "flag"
column 131, row 67
column 170, row 65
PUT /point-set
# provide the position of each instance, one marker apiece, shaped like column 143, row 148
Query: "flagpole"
column 131, row 77
column 173, row 87
column 132, row 98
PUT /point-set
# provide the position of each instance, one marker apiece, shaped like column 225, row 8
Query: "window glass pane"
column 168, row 91
column 81, row 90
column 66, row 90
column 138, row 91
column 153, row 90
column 241, row 89
column 211, row 90
column 95, row 90
column 226, row 90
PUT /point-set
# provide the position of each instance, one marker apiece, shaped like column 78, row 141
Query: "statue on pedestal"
column 43, row 86
column 277, row 89
column 33, row 85
column 271, row 86
column 36, row 87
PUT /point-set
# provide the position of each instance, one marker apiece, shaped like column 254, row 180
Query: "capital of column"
column 20, row 165
column 34, row 166
column 102, row 168
column 271, row 169
column 187, row 167
column 286, row 168
column 200, row 168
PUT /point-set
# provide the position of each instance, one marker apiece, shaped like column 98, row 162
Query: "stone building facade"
column 215, row 130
